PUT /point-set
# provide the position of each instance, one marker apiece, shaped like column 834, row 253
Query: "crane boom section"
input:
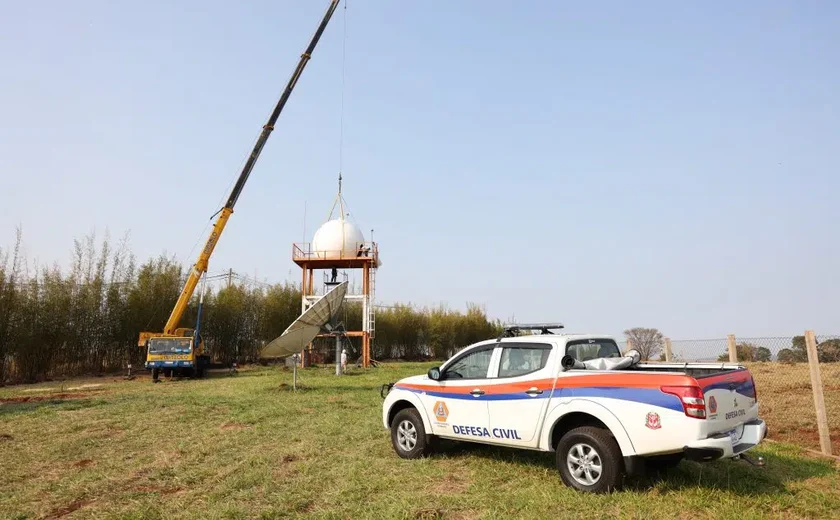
column 290, row 86
column 200, row 266
column 195, row 274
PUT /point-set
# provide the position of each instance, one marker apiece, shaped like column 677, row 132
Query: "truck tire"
column 155, row 375
column 589, row 459
column 408, row 435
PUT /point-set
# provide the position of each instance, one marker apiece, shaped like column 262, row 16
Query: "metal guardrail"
column 304, row 251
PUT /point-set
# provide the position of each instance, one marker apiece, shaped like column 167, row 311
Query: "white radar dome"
column 337, row 239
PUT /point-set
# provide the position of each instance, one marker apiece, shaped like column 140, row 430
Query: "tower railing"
column 303, row 251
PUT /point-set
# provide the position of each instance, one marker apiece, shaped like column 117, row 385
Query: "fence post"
column 733, row 351
column 817, row 387
column 668, row 354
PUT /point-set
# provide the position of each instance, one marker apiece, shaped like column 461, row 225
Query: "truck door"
column 457, row 403
column 520, row 394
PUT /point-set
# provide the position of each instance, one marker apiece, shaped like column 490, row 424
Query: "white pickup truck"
column 604, row 414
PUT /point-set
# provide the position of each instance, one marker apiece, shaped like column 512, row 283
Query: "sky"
column 602, row 164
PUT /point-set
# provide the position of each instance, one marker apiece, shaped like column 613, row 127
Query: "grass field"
column 787, row 402
column 247, row 446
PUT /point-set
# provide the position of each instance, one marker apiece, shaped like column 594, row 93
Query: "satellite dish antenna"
column 304, row 329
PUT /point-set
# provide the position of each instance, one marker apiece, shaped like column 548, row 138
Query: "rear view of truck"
column 723, row 403
column 731, row 415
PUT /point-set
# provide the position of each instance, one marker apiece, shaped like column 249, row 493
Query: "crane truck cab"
column 180, row 354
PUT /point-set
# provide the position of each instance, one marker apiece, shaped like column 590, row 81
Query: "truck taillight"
column 755, row 390
column 691, row 397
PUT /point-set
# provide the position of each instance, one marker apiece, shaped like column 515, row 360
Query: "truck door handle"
column 533, row 391
column 477, row 392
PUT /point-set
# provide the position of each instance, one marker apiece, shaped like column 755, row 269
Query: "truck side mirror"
column 434, row 374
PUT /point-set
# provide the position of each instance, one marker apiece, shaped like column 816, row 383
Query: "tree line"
column 86, row 320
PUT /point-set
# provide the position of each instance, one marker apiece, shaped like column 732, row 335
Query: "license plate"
column 733, row 436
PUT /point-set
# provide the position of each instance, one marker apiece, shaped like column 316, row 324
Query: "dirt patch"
column 429, row 514
column 334, row 399
column 108, row 431
column 159, row 490
column 84, row 463
column 69, row 508
column 6, row 437
column 285, row 467
column 288, row 387
column 39, row 398
column 307, row 506
column 449, row 485
column 234, row 426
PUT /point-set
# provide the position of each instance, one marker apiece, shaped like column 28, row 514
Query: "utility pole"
column 230, row 277
column 338, row 352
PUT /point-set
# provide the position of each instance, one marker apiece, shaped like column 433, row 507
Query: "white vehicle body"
column 650, row 409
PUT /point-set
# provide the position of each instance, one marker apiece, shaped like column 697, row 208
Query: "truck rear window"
column 586, row 349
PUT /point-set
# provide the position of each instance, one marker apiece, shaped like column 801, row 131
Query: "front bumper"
column 168, row 364
column 722, row 446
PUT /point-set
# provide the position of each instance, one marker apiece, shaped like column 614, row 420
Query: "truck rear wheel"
column 408, row 434
column 589, row 459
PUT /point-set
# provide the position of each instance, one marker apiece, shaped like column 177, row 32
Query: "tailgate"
column 730, row 401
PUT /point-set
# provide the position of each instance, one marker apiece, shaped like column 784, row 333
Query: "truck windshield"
column 170, row 345
column 586, row 349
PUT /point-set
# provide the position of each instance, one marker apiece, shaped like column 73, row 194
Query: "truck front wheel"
column 408, row 434
column 589, row 459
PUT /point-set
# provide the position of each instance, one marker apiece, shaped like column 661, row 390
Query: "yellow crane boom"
column 200, row 266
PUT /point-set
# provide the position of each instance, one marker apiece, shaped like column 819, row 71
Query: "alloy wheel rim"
column 406, row 435
column 584, row 464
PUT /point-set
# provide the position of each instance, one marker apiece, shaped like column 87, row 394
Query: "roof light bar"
column 515, row 328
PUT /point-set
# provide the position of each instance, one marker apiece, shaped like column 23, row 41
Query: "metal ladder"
column 372, row 305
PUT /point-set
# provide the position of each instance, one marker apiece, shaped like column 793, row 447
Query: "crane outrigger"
column 181, row 350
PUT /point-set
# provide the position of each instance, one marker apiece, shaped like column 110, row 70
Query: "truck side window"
column 521, row 360
column 473, row 365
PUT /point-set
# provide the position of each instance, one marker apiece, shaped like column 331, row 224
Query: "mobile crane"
column 181, row 350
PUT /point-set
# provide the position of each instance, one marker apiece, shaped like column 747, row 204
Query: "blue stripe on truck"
column 651, row 396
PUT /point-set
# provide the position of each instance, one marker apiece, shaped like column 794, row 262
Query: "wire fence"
column 783, row 378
